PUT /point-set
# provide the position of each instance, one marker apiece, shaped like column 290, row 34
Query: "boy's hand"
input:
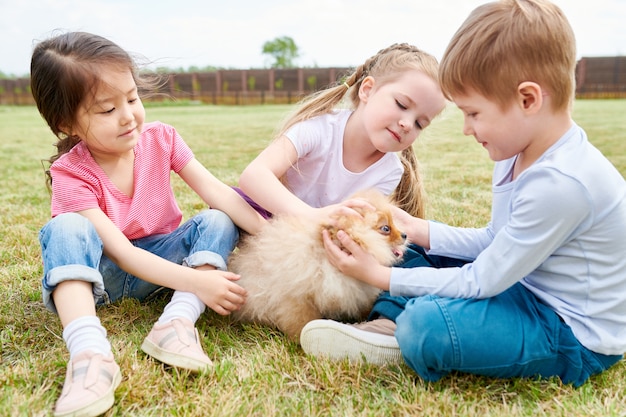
column 416, row 229
column 353, row 261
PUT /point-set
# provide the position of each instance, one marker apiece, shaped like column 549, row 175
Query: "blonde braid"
column 410, row 194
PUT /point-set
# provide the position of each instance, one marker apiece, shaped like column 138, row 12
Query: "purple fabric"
column 266, row 214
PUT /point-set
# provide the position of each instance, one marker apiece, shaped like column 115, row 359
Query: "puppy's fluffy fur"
column 290, row 280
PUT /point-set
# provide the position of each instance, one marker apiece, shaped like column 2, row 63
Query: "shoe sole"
column 173, row 359
column 338, row 341
column 98, row 407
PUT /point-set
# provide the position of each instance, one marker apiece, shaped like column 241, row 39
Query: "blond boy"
column 541, row 290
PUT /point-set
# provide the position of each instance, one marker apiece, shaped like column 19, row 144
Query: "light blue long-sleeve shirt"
column 559, row 229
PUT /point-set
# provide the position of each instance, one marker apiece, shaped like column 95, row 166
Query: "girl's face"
column 396, row 112
column 111, row 121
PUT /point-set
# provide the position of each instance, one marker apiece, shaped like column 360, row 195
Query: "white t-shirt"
column 319, row 177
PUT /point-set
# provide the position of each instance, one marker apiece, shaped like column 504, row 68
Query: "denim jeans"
column 72, row 250
column 512, row 334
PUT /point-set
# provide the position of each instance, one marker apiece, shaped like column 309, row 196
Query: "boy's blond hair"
column 504, row 43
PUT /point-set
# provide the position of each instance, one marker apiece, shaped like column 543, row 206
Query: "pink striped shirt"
column 79, row 184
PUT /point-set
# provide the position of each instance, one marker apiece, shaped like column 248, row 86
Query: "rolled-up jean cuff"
column 205, row 258
column 74, row 272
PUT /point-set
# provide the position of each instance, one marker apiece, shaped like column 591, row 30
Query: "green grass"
column 258, row 371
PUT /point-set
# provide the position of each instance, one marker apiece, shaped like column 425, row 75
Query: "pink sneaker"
column 177, row 343
column 372, row 341
column 89, row 388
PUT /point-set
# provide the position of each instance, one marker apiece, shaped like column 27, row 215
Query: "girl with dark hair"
column 116, row 229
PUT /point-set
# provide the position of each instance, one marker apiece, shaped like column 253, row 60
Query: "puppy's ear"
column 332, row 231
column 340, row 223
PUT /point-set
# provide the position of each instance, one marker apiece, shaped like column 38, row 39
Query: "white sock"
column 183, row 304
column 86, row 333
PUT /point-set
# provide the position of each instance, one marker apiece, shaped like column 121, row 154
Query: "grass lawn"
column 258, row 372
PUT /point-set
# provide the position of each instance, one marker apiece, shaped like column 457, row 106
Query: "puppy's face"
column 374, row 231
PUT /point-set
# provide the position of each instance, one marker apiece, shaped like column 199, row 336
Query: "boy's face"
column 501, row 132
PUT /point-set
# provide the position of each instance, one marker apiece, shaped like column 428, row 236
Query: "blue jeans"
column 72, row 250
column 512, row 334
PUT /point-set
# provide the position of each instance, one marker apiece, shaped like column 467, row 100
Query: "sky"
column 231, row 33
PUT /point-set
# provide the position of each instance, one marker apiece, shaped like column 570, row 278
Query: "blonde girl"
column 324, row 153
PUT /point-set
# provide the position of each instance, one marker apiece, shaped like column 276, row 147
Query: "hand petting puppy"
column 353, row 261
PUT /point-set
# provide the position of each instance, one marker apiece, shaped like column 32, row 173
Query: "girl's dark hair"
column 63, row 71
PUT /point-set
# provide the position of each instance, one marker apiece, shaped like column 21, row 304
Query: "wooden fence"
column 237, row 87
column 601, row 77
column 597, row 77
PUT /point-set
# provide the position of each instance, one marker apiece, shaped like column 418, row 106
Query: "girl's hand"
column 323, row 215
column 353, row 261
column 218, row 290
column 345, row 208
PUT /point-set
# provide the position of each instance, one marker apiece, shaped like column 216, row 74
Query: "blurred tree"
column 283, row 50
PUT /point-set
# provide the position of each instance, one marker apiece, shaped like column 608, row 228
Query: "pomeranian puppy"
column 289, row 278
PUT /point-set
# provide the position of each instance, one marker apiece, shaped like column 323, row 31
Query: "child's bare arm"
column 222, row 197
column 217, row 289
column 261, row 180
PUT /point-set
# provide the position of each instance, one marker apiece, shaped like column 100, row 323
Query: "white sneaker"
column 372, row 342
